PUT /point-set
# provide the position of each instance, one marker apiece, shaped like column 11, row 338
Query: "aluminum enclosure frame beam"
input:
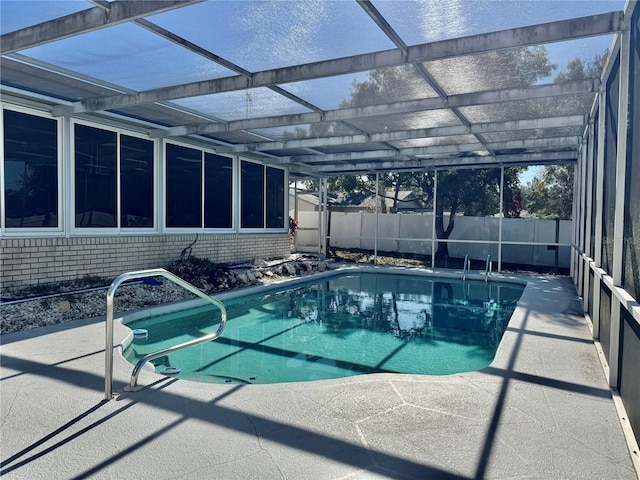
column 560, row 142
column 518, row 37
column 415, row 164
column 85, row 21
column 408, row 106
column 455, row 130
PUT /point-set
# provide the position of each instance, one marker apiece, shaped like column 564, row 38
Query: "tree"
column 578, row 69
column 550, row 194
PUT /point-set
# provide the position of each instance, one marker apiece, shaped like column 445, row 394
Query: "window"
column 197, row 180
column 95, row 170
column 97, row 177
column 275, row 198
column 136, row 182
column 31, row 183
column 262, row 196
column 252, row 198
column 184, row 187
column 218, row 198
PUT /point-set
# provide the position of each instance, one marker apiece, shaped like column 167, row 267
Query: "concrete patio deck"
column 542, row 410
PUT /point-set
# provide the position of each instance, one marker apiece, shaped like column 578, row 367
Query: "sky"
column 527, row 176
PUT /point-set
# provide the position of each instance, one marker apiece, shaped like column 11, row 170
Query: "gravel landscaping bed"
column 54, row 304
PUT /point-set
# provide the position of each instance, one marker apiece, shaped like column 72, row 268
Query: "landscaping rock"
column 63, row 307
column 71, row 304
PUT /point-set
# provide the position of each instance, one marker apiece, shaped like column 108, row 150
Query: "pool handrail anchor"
column 487, row 269
column 464, row 268
column 156, row 272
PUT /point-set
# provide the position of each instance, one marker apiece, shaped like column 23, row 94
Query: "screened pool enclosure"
column 131, row 130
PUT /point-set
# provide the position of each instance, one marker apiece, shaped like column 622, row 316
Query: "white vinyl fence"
column 307, row 235
column 524, row 241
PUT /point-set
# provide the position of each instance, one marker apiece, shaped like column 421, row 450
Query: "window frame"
column 118, row 229
column 6, row 231
column 282, row 200
column 234, row 190
column 264, row 229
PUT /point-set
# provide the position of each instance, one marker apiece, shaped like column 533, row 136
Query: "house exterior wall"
column 45, row 260
column 69, row 210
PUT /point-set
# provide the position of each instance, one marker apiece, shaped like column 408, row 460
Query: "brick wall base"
column 25, row 262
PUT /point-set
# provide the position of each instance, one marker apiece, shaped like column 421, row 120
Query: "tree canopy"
column 578, row 69
column 550, row 194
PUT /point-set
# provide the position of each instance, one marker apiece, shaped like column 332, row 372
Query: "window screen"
column 218, row 196
column 95, row 177
column 252, row 195
column 275, row 198
column 136, row 182
column 631, row 244
column 184, row 187
column 30, row 170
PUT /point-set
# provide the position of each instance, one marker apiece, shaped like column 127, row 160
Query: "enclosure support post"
column 375, row 234
column 322, row 227
column 295, row 213
column 320, row 216
column 500, row 218
column 589, row 179
column 573, row 267
column 618, row 225
column 599, row 178
column 433, row 220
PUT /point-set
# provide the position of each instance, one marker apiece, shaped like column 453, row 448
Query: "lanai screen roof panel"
column 250, row 103
column 528, row 109
column 298, row 152
column 409, row 121
column 276, row 79
column 585, row 49
column 130, row 56
column 311, row 130
column 388, row 85
column 436, row 141
column 326, row 93
column 17, row 14
column 554, row 132
column 353, row 147
column 236, row 137
column 162, row 114
column 488, row 71
column 27, row 76
column 434, row 20
column 262, row 35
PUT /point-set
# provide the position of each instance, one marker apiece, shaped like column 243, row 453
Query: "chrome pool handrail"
column 487, row 268
column 464, row 268
column 156, row 272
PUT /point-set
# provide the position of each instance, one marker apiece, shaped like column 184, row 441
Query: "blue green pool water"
column 342, row 326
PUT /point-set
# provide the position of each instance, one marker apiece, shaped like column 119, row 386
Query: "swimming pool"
column 343, row 325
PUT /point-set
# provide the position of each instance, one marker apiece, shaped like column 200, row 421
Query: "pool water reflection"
column 341, row 326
